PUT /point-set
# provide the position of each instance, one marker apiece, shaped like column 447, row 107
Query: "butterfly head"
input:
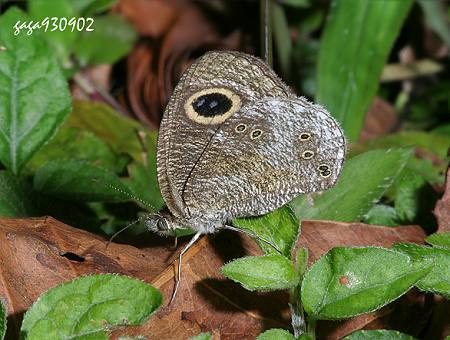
column 159, row 223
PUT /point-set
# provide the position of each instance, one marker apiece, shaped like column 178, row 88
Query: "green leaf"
column 439, row 240
column 354, row 47
column 435, row 17
column 3, row 316
column 443, row 129
column 363, row 182
column 414, row 199
column 263, row 273
column 438, row 280
column 88, row 7
column 34, row 96
column 16, row 196
column 118, row 131
column 379, row 334
column 111, row 40
column 296, row 3
column 275, row 334
column 202, row 336
column 143, row 179
column 435, row 143
column 432, row 145
column 73, row 143
column 382, row 214
column 279, row 227
column 282, row 38
column 301, row 261
column 349, row 281
column 61, row 41
column 88, row 306
column 78, row 180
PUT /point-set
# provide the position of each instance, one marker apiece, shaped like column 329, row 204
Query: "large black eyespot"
column 212, row 104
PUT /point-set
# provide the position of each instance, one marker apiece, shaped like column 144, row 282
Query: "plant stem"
column 297, row 313
column 87, row 86
column 266, row 31
column 312, row 328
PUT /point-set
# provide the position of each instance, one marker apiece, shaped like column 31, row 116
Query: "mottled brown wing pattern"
column 288, row 147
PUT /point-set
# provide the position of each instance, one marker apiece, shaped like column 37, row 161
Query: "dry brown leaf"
column 442, row 209
column 179, row 31
column 381, row 118
column 38, row 254
column 320, row 236
column 150, row 17
column 42, row 253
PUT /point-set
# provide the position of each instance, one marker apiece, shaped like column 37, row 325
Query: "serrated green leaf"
column 112, row 39
column 438, row 280
column 73, row 143
column 263, row 273
column 349, row 281
column 87, row 306
column 378, row 334
column 382, row 214
column 118, row 131
column 202, row 336
column 439, row 240
column 78, row 180
column 363, row 181
column 16, row 196
column 275, row 334
column 34, row 96
column 3, row 316
column 355, row 44
column 279, row 227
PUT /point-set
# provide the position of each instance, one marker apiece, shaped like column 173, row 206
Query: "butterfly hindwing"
column 265, row 155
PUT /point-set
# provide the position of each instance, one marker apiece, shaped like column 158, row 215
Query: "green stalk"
column 266, row 31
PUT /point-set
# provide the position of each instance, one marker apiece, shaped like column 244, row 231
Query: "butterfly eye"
column 162, row 225
column 241, row 128
column 305, row 136
column 308, row 154
column 255, row 134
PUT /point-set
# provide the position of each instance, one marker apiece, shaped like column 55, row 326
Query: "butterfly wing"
column 185, row 136
column 264, row 156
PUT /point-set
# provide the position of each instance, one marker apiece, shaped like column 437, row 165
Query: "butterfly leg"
column 185, row 249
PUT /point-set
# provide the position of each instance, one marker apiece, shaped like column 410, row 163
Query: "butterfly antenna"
column 122, row 229
column 129, row 195
column 129, row 225
column 251, row 233
column 178, row 278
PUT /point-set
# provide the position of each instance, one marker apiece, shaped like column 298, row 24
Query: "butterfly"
column 235, row 141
